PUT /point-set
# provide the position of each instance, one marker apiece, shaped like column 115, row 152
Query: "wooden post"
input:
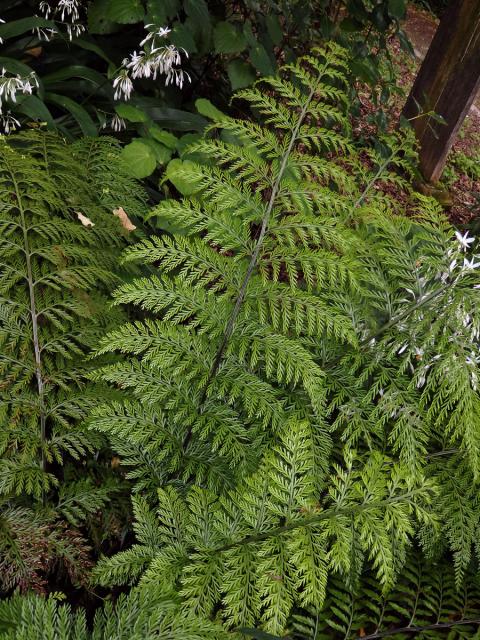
column 447, row 84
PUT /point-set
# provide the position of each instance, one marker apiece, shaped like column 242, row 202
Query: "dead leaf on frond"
column 124, row 219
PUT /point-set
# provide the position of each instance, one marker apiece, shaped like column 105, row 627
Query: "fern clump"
column 142, row 615
column 425, row 604
column 304, row 362
column 59, row 248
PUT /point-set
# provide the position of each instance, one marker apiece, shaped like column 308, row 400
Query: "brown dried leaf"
column 124, row 219
column 35, row 52
column 84, row 220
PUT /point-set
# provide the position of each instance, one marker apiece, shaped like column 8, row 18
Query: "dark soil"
column 463, row 191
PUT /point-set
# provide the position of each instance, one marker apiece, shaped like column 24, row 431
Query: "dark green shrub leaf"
column 228, row 38
column 185, row 141
column 98, row 23
column 261, row 60
column 162, row 153
column 240, row 74
column 274, row 28
column 125, row 11
column 17, row 27
column 35, row 109
column 78, row 112
column 181, row 36
column 397, row 8
column 198, row 10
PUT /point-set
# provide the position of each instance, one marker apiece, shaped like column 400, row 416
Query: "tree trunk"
column 447, row 84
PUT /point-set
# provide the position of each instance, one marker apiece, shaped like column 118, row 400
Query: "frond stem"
column 438, row 626
column 35, row 332
column 312, row 521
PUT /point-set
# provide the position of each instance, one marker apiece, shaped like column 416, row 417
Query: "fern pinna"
column 59, row 247
column 425, row 604
column 308, row 364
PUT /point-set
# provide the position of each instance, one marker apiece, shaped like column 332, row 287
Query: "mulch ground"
column 460, row 193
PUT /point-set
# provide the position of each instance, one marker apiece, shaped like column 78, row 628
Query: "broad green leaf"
column 178, row 173
column 17, row 27
column 80, row 114
column 261, row 60
column 397, row 8
column 75, row 71
column 240, row 74
column 162, row 153
column 364, row 70
column 198, row 10
column 90, row 46
column 98, row 23
column 125, row 11
column 182, row 37
column 209, row 110
column 174, row 119
column 248, row 33
column 228, row 38
column 165, row 137
column 161, row 10
column 131, row 113
column 35, row 109
column 140, row 159
column 274, row 28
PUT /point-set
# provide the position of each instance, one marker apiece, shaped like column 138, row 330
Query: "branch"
column 418, row 629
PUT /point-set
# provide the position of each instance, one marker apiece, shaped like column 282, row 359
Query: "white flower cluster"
column 155, row 59
column 459, row 266
column 116, row 123
column 10, row 87
column 8, row 123
column 66, row 12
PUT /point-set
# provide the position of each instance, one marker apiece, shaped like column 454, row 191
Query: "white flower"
column 10, row 86
column 44, row 33
column 75, row 30
column 153, row 61
column 9, row 123
column 122, row 85
column 470, row 264
column 151, row 35
column 177, row 76
column 69, row 7
column 68, row 12
column 464, row 241
column 45, row 8
column 117, row 123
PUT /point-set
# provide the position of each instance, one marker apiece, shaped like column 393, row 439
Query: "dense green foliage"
column 55, row 275
column 293, row 403
column 63, row 63
column 304, row 400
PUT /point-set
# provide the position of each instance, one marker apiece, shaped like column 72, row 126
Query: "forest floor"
column 461, row 178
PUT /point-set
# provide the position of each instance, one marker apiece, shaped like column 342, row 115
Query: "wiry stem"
column 438, row 626
column 35, row 335
column 254, row 258
column 313, row 520
column 263, row 230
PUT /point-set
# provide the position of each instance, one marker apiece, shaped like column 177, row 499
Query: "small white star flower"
column 464, row 240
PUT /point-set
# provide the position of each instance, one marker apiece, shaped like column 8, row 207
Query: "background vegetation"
column 239, row 361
